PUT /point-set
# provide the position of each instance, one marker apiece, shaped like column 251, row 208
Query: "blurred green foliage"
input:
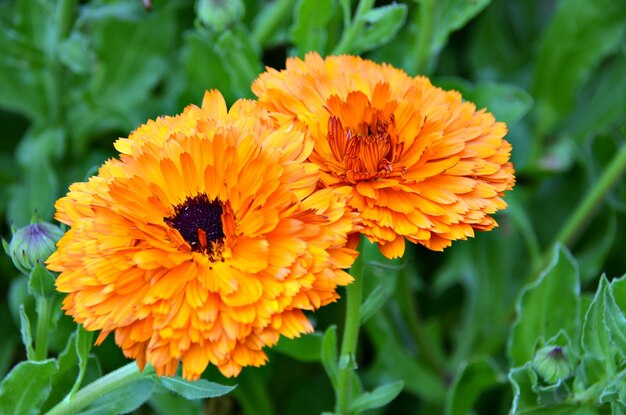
column 451, row 326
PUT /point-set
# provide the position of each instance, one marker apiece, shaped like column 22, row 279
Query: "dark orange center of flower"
column 199, row 222
column 369, row 150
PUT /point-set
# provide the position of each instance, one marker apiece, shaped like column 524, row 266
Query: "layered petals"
column 204, row 241
column 423, row 165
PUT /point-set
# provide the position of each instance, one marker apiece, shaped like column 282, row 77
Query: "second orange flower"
column 423, row 165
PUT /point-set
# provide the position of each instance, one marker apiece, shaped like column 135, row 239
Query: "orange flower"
column 204, row 241
column 423, row 165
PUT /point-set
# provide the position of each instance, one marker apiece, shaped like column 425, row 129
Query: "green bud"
column 219, row 14
column 32, row 244
column 553, row 364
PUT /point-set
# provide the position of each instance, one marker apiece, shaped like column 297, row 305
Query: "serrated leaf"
column 305, row 348
column 122, row 400
column 472, row 380
column 380, row 25
column 546, row 306
column 522, row 385
column 596, row 342
column 25, row 330
column 377, row 398
column 308, row 32
column 200, row 389
column 328, row 354
column 26, row 387
column 579, row 36
column 613, row 314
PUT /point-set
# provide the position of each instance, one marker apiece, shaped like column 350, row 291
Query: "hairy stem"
column 593, row 199
column 347, row 357
column 115, row 380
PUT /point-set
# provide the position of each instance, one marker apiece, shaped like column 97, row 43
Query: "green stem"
column 270, row 21
column 347, row 358
column 430, row 356
column 43, row 325
column 354, row 29
column 115, row 380
column 422, row 52
column 594, row 198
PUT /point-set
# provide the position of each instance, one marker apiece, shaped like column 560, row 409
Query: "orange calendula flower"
column 205, row 241
column 423, row 164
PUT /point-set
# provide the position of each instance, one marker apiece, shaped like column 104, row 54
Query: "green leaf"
column 374, row 301
column 63, row 379
column 592, row 253
column 507, row 102
column 546, row 306
column 84, row 340
column 380, row 278
column 473, row 378
column 613, row 313
column 380, row 25
column 603, row 101
column 579, row 36
column 329, row 355
column 197, row 53
column 25, row 330
column 308, row 32
column 26, row 387
column 393, row 360
column 200, row 389
column 167, row 403
column 122, row 400
column 241, row 59
column 41, row 282
column 38, row 186
column 74, row 53
column 596, row 341
column 305, row 348
column 452, row 15
column 377, row 398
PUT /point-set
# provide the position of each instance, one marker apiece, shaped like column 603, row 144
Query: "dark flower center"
column 199, row 221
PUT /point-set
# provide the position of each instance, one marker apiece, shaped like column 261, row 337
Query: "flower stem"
column 354, row 28
column 115, row 380
column 347, row 357
column 43, row 325
column 585, row 210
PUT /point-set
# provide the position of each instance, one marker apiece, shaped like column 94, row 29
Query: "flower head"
column 423, row 164
column 205, row 241
column 32, row 244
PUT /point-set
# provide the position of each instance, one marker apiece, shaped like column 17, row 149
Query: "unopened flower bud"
column 219, row 14
column 553, row 364
column 32, row 244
